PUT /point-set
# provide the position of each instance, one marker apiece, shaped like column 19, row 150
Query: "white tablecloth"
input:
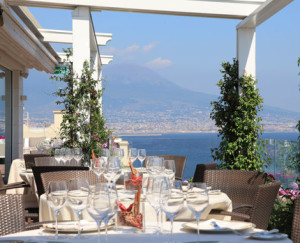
column 117, row 237
column 220, row 201
column 17, row 166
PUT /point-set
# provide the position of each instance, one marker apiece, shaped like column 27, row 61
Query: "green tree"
column 83, row 124
column 236, row 115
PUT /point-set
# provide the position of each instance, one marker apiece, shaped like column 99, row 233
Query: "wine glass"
column 78, row 155
column 142, row 156
column 104, row 152
column 170, row 169
column 197, row 200
column 171, row 200
column 99, row 204
column 57, row 155
column 133, row 153
column 155, row 165
column 153, row 194
column 113, row 169
column 99, row 165
column 68, row 155
column 114, row 201
column 63, row 155
column 56, row 198
column 78, row 193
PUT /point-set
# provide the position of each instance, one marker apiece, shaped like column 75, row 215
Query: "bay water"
column 196, row 146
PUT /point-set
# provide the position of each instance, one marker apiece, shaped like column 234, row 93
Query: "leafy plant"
column 236, row 115
column 83, row 124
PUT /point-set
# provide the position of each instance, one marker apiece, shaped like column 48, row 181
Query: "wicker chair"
column 67, row 175
column 199, row 171
column 29, row 159
column 12, row 213
column 179, row 164
column 45, row 161
column 296, row 222
column 5, row 187
column 37, row 170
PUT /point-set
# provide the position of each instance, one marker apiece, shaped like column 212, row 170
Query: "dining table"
column 180, row 234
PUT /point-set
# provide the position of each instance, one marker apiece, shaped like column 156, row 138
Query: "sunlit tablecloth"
column 117, row 237
column 220, row 201
column 17, row 166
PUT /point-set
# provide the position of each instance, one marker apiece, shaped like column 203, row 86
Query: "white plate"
column 71, row 227
column 226, row 226
column 261, row 236
column 214, row 192
column 119, row 187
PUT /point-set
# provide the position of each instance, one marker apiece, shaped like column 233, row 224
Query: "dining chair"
column 38, row 170
column 296, row 222
column 5, row 187
column 29, row 159
column 67, row 175
column 200, row 168
column 45, row 161
column 180, row 162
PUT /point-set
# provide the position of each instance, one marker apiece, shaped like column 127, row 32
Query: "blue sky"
column 189, row 50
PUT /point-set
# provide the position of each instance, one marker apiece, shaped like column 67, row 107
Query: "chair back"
column 179, row 164
column 296, row 222
column 263, row 205
column 37, row 170
column 45, row 161
column 67, row 175
column 12, row 213
column 199, row 171
column 29, row 159
column 239, row 185
column 2, row 192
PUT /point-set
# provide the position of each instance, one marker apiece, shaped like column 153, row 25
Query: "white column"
column 17, row 115
column 246, row 41
column 81, row 38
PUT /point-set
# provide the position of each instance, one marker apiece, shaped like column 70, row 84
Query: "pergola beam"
column 105, row 59
column 201, row 8
column 66, row 37
column 262, row 13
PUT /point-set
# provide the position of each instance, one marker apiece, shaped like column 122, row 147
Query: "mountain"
column 138, row 100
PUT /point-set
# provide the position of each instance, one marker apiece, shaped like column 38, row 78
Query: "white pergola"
column 29, row 47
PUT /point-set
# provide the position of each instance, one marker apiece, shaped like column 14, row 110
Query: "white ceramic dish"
column 270, row 237
column 71, row 227
column 225, row 226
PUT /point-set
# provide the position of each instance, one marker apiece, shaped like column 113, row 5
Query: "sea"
column 196, row 146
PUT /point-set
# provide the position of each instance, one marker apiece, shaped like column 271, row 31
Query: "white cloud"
column 159, row 63
column 150, row 46
column 120, row 52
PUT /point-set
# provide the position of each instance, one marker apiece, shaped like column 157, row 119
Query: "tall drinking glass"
column 58, row 155
column 99, row 204
column 113, row 169
column 155, row 165
column 197, row 200
column 133, row 153
column 78, row 193
column 172, row 199
column 114, row 202
column 170, row 169
column 99, row 166
column 142, row 156
column 78, row 155
column 153, row 194
column 56, row 198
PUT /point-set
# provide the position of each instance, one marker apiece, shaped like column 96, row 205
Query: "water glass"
column 99, row 204
column 170, row 169
column 78, row 194
column 58, row 155
column 197, row 200
column 99, row 166
column 155, row 165
column 113, row 169
column 142, row 156
column 171, row 199
column 153, row 194
column 56, row 198
column 78, row 155
column 132, row 153
column 69, row 154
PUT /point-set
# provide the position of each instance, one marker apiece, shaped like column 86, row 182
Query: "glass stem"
column 197, row 219
column 157, row 220
column 106, row 223
column 171, row 219
column 56, row 224
column 79, row 225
